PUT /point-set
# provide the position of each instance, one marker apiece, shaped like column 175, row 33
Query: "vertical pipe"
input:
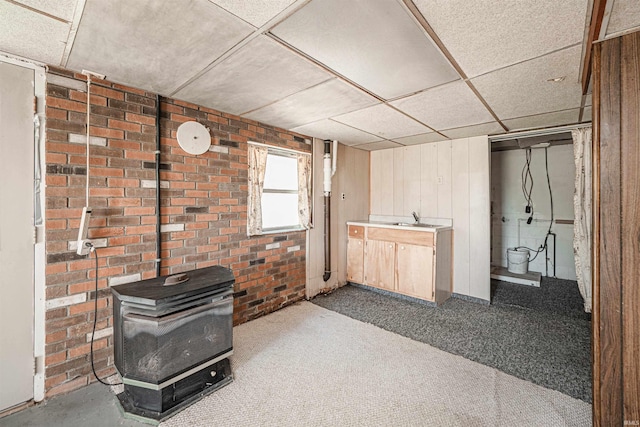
column 157, row 172
column 327, row 210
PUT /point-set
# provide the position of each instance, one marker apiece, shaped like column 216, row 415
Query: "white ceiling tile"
column 319, row 102
column 59, row 8
column 254, row 12
column 625, row 14
column 374, row 43
column 382, row 145
column 260, row 73
column 328, row 129
column 556, row 118
column 486, row 35
column 523, row 89
column 153, row 45
column 383, row 121
column 420, row 139
column 492, row 128
column 447, row 106
column 586, row 115
column 32, row 35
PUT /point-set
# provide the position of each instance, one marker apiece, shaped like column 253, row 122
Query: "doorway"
column 21, row 249
column 532, row 187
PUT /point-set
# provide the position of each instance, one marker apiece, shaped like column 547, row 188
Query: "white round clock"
column 193, row 137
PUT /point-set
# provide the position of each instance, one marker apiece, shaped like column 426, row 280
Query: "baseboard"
column 394, row 294
column 471, row 299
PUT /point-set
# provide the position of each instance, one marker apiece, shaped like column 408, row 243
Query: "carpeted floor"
column 308, row 366
column 536, row 334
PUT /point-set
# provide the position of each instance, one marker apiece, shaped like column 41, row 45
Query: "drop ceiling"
column 372, row 74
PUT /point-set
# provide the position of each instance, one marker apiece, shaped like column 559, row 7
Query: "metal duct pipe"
column 157, row 173
column 329, row 170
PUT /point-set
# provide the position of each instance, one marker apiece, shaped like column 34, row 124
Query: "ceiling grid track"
column 73, row 31
column 352, row 83
column 264, row 29
column 425, row 25
column 38, row 11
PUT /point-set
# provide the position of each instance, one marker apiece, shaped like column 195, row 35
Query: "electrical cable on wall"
column 527, row 184
column 95, row 321
column 83, row 243
column 526, row 177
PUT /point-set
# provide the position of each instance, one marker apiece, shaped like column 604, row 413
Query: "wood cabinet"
column 379, row 264
column 415, row 271
column 355, row 260
column 410, row 262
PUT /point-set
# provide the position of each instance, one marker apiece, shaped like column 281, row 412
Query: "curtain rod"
column 275, row 147
column 537, row 132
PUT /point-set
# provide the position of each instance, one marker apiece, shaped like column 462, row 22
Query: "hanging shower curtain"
column 582, row 211
column 257, row 168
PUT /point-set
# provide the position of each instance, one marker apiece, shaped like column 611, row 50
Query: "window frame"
column 274, row 151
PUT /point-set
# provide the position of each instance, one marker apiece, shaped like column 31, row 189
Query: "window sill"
column 281, row 230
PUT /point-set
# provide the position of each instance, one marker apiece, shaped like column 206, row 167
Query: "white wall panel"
column 412, row 178
column 480, row 217
column 398, row 181
column 444, row 179
column 382, row 182
column 428, row 180
column 461, row 215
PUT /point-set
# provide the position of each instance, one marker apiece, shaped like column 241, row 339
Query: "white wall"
column 448, row 179
column 509, row 203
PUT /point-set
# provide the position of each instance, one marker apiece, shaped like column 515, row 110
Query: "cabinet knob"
column 355, row 231
column 402, row 247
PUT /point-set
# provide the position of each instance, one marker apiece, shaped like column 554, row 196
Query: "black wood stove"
column 172, row 339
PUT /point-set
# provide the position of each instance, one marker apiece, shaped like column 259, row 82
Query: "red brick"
column 128, row 211
column 65, row 104
column 107, row 133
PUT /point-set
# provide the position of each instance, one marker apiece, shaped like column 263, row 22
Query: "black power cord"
column 546, row 165
column 527, row 184
column 95, row 320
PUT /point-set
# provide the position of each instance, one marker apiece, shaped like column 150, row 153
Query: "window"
column 279, row 190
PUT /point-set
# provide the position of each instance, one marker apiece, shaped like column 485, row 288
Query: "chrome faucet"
column 416, row 217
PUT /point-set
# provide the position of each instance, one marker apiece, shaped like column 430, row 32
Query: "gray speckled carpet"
column 536, row 334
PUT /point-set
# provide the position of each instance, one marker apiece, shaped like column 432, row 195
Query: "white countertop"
column 432, row 228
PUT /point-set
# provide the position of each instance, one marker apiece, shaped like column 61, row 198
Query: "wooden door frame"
column 616, row 231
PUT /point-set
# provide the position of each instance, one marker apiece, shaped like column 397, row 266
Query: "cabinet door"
column 415, row 271
column 379, row 264
column 355, row 261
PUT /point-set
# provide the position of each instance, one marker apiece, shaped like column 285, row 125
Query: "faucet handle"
column 415, row 216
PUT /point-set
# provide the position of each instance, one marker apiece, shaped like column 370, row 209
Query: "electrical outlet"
column 440, row 180
column 342, row 196
column 84, row 247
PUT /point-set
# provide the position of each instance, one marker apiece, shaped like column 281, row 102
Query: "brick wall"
column 203, row 214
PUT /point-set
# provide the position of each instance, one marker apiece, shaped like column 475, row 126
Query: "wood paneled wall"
column 448, row 179
column 352, row 179
column 616, row 272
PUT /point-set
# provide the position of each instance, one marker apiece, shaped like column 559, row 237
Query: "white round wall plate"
column 193, row 137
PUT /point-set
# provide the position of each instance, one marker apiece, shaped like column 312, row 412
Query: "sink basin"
column 417, row 224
